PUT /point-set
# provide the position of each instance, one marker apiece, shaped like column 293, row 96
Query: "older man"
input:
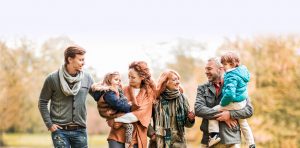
column 208, row 96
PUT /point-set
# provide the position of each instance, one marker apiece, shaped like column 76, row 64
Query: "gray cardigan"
column 63, row 109
column 206, row 99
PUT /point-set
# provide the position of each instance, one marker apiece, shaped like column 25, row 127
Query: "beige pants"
column 222, row 146
column 213, row 125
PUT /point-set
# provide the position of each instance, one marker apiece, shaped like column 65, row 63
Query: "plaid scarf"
column 162, row 113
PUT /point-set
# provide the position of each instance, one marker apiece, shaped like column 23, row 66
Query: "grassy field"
column 44, row 141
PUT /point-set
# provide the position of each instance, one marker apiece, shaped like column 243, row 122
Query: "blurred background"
column 179, row 35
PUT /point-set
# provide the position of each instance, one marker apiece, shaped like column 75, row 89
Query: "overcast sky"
column 133, row 26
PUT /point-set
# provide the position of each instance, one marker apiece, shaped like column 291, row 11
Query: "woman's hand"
column 153, row 137
column 191, row 116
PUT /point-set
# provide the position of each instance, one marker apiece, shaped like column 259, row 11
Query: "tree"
column 273, row 63
column 23, row 70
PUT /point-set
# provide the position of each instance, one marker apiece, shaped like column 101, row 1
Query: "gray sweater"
column 206, row 99
column 64, row 109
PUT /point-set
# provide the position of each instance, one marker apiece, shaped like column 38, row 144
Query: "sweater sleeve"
column 45, row 97
column 116, row 103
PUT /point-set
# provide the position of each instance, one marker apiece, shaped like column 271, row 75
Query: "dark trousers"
column 116, row 144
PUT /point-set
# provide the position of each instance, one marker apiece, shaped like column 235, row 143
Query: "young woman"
column 141, row 92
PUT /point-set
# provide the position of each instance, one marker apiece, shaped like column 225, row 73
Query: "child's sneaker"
column 214, row 140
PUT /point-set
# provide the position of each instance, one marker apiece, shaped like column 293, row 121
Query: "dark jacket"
column 108, row 100
column 206, row 99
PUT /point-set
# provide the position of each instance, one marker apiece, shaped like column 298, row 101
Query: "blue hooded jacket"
column 235, row 85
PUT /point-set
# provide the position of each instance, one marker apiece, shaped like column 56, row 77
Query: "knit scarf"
column 162, row 113
column 69, row 85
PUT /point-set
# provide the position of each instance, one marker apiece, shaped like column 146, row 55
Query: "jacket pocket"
column 210, row 100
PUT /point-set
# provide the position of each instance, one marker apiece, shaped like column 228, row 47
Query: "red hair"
column 143, row 71
column 163, row 79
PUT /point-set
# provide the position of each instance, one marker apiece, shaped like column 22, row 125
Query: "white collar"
column 231, row 69
column 136, row 91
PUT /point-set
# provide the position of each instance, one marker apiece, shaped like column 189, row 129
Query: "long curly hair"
column 163, row 79
column 143, row 71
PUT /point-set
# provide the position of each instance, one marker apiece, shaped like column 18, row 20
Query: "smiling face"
column 76, row 63
column 135, row 80
column 115, row 81
column 173, row 82
column 213, row 72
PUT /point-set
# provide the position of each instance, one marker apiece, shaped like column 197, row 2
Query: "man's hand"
column 231, row 123
column 223, row 115
column 54, row 127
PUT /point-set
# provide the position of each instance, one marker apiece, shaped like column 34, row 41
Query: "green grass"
column 44, row 141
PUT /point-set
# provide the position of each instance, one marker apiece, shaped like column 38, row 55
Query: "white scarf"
column 66, row 78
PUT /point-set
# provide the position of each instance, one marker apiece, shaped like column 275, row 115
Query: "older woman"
column 141, row 92
column 171, row 113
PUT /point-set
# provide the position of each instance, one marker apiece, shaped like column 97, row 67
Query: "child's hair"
column 230, row 58
column 108, row 77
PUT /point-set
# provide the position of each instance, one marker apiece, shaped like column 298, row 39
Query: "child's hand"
column 110, row 122
column 117, row 125
column 111, row 112
column 99, row 87
column 129, row 102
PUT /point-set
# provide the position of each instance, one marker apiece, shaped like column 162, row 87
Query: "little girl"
column 112, row 103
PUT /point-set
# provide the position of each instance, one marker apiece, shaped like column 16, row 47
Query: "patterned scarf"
column 68, row 84
column 162, row 115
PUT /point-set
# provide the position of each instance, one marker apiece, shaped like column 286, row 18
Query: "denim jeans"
column 67, row 139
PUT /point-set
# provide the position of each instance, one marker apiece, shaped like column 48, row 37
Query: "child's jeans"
column 213, row 125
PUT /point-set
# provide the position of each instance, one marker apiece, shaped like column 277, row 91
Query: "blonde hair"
column 108, row 77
